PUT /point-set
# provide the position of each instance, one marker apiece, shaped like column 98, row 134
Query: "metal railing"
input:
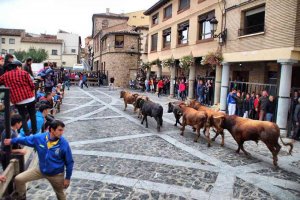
column 251, row 30
column 249, row 87
column 10, row 166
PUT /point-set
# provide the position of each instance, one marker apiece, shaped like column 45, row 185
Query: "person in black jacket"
column 247, row 106
column 270, row 109
column 239, row 104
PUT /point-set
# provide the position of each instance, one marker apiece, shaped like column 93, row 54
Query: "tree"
column 20, row 55
column 38, row 55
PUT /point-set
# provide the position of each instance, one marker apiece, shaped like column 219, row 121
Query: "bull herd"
column 201, row 117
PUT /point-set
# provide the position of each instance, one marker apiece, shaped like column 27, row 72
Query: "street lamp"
column 213, row 28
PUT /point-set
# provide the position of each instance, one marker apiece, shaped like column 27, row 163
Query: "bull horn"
column 217, row 117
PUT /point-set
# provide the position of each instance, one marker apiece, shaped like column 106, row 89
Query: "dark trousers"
column 159, row 91
column 84, row 83
column 48, row 89
column 30, row 108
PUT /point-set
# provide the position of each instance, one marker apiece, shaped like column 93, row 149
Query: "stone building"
column 119, row 47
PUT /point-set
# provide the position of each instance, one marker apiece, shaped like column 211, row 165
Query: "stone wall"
column 119, row 66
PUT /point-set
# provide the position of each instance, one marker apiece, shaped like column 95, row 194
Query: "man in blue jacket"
column 54, row 155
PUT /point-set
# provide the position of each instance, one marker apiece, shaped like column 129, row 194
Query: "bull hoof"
column 181, row 134
column 213, row 139
column 195, row 140
column 175, row 124
column 222, row 145
column 146, row 126
column 208, row 145
column 141, row 122
column 248, row 154
column 238, row 152
column 158, row 130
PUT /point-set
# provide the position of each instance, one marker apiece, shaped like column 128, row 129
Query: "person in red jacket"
column 182, row 90
column 21, row 93
column 160, row 86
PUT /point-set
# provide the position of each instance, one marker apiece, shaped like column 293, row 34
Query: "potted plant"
column 168, row 62
column 186, row 61
column 213, row 59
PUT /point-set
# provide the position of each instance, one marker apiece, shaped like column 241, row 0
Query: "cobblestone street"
column 118, row 158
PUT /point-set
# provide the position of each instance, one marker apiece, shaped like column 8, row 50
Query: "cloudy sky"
column 48, row 16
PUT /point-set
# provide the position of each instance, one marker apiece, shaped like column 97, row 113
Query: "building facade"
column 181, row 28
column 119, row 45
column 263, row 47
column 70, row 49
column 63, row 49
column 259, row 42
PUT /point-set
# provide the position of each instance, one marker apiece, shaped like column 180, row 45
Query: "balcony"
column 260, row 28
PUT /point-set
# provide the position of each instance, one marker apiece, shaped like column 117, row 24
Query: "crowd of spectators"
column 34, row 99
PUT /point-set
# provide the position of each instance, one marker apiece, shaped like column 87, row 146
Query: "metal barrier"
column 249, row 87
column 11, row 167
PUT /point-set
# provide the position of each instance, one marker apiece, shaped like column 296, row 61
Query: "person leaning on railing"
column 22, row 93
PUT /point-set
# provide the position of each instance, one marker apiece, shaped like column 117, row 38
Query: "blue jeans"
column 269, row 117
column 67, row 84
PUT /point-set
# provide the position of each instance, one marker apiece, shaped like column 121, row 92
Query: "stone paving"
column 118, row 158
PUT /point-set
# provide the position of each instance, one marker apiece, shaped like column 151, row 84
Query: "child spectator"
column 16, row 123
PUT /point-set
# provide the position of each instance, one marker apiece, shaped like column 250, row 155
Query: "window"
column 54, row 52
column 167, row 38
column 3, row 51
column 73, row 50
column 155, row 19
column 154, row 42
column 11, row 41
column 204, row 25
column 143, row 17
column 3, row 40
column 119, row 41
column 254, row 21
column 11, row 51
column 168, row 12
column 103, row 44
column 183, row 4
column 105, row 23
column 183, row 33
column 134, row 16
column 64, row 63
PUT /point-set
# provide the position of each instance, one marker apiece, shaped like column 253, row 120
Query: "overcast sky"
column 48, row 16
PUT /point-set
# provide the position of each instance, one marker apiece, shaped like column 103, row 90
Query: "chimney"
column 107, row 11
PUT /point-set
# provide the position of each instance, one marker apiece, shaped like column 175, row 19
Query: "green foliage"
column 38, row 55
column 213, row 59
column 20, row 55
column 186, row 61
column 156, row 62
column 145, row 66
column 168, row 62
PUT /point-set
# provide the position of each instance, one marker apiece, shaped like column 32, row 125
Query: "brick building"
column 259, row 40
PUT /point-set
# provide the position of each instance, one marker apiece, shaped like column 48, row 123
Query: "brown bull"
column 194, row 118
column 210, row 123
column 128, row 98
column 243, row 130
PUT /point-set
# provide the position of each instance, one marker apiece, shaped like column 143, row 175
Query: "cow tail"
column 287, row 144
